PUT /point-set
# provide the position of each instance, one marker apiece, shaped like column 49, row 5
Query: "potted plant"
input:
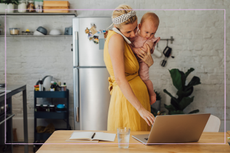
column 8, row 4
column 156, row 107
column 157, row 104
column 184, row 91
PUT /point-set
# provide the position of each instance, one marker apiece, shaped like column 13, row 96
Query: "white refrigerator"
column 91, row 94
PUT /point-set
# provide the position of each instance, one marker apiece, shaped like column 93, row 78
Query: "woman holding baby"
column 130, row 94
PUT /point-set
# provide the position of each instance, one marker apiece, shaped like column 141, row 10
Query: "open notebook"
column 92, row 136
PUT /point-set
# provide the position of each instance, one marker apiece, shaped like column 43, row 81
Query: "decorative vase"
column 10, row 8
column 3, row 7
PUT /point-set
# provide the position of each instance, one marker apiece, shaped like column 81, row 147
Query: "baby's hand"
column 145, row 48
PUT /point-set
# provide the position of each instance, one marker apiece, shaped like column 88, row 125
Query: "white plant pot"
column 10, row 8
column 3, row 6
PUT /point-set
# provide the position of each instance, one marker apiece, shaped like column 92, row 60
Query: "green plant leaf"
column 188, row 72
column 169, row 107
column 185, row 102
column 175, row 104
column 165, row 91
column 187, row 92
column 194, row 111
column 195, row 81
column 176, row 112
column 176, row 78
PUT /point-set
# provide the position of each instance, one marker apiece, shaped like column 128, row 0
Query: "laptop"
column 175, row 129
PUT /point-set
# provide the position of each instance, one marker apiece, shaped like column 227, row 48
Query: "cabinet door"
column 94, row 98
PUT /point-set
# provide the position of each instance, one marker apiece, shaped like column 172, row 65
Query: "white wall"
column 199, row 43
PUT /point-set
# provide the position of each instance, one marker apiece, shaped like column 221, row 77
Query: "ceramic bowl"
column 37, row 33
column 42, row 30
column 55, row 32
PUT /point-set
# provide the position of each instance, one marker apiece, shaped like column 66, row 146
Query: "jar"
column 52, row 87
column 38, row 6
column 63, row 87
column 52, row 108
column 30, row 6
column 14, row 31
column 22, row 6
column 37, row 108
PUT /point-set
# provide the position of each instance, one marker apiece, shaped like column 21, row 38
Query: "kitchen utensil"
column 14, row 31
column 27, row 32
column 68, row 30
column 31, row 6
column 2, row 85
column 22, row 6
column 55, row 32
column 56, row 6
column 167, row 52
column 157, row 52
column 42, row 30
column 37, row 33
column 60, row 107
column 46, row 81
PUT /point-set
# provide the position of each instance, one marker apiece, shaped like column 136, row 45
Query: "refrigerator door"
column 89, row 52
column 94, row 98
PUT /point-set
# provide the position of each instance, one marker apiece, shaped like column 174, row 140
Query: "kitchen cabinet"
column 60, row 114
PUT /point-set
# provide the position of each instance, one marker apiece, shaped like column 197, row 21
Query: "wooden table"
column 57, row 144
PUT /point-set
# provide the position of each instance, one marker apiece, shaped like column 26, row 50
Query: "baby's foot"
column 152, row 99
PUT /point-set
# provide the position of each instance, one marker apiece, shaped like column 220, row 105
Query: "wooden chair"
column 213, row 124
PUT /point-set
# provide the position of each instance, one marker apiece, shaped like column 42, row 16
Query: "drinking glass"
column 123, row 135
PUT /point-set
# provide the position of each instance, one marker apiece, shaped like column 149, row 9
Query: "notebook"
column 92, row 136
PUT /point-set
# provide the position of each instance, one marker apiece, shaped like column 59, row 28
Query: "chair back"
column 213, row 124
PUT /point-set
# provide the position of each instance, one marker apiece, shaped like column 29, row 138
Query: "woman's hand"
column 146, row 57
column 147, row 116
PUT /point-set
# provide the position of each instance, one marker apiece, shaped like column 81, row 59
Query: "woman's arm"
column 116, row 51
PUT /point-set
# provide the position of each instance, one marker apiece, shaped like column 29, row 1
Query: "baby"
column 145, row 35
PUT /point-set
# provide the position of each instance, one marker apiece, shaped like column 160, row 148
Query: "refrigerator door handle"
column 77, row 47
column 77, row 114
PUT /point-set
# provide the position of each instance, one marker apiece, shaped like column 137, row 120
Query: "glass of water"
column 123, row 135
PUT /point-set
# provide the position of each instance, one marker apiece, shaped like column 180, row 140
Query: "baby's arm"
column 152, row 43
column 135, row 50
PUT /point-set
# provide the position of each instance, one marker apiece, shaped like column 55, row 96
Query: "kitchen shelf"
column 51, row 115
column 51, row 94
column 42, row 14
column 62, row 115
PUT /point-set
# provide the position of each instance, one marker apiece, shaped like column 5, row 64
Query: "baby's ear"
column 139, row 26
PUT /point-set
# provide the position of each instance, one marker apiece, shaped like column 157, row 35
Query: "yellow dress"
column 121, row 111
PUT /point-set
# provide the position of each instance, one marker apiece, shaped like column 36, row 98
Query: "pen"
column 93, row 135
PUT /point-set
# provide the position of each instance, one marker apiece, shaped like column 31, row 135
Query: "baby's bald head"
column 150, row 16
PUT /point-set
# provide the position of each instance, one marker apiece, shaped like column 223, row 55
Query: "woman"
column 129, row 103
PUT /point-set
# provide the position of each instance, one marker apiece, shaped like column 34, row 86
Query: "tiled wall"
column 199, row 43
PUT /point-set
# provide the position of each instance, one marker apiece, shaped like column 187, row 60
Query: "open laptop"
column 175, row 129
